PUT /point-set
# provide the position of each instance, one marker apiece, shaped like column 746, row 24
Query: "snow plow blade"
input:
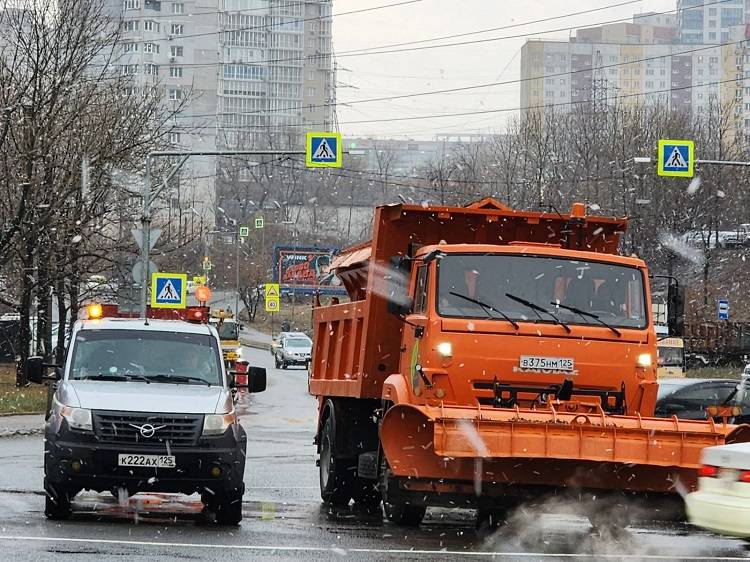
column 545, row 447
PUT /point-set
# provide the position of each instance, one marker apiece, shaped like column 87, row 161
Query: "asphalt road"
column 284, row 518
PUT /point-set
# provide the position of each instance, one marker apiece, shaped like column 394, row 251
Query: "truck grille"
column 117, row 427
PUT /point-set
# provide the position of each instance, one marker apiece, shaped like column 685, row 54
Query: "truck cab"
column 509, row 325
column 143, row 406
column 229, row 334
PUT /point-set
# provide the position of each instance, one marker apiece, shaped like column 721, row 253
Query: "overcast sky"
column 375, row 76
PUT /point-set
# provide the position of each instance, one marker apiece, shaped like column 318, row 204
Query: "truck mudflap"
column 546, row 447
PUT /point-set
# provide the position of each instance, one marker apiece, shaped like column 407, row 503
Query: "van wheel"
column 57, row 501
column 229, row 511
column 405, row 514
column 335, row 474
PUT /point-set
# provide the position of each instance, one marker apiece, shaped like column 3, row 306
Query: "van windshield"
column 149, row 356
column 521, row 286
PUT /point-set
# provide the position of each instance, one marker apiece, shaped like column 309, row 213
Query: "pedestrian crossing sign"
column 168, row 290
column 676, row 158
column 323, row 150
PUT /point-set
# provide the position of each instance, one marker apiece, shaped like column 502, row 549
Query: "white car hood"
column 142, row 397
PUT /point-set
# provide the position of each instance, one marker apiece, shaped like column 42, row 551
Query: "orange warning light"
column 202, row 293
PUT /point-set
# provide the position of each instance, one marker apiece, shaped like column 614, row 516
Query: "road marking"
column 339, row 550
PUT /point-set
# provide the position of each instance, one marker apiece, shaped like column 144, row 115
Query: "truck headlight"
column 644, row 360
column 77, row 418
column 445, row 349
column 216, row 424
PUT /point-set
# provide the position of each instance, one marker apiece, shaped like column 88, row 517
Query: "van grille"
column 117, row 427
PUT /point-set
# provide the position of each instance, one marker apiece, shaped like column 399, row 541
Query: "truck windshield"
column 151, row 356
column 670, row 356
column 227, row 330
column 613, row 293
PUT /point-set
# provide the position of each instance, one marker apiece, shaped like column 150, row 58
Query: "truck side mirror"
column 675, row 310
column 399, row 302
column 256, row 379
column 34, row 369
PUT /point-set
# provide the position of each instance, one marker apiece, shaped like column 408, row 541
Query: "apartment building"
column 247, row 74
column 708, row 21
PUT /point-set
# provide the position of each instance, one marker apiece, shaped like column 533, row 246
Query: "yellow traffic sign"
column 272, row 290
column 168, row 290
column 199, row 279
column 273, row 304
column 676, row 158
column 323, row 150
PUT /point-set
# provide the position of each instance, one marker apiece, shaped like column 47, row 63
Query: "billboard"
column 305, row 269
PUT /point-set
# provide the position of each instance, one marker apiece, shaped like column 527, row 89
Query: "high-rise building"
column 708, row 21
column 243, row 73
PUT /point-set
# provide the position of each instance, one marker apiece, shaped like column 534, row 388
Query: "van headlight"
column 77, row 418
column 216, row 424
column 644, row 360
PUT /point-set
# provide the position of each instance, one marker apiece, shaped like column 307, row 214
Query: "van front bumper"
column 78, row 461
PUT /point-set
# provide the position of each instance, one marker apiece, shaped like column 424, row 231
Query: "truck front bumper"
column 215, row 466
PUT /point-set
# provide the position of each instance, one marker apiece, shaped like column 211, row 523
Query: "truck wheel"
column 335, row 474
column 490, row 519
column 57, row 501
column 229, row 511
column 405, row 514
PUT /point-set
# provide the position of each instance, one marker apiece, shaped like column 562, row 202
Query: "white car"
column 722, row 501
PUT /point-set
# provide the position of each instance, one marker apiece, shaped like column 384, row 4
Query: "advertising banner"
column 305, row 269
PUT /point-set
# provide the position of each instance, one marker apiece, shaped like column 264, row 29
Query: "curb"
column 5, row 433
column 256, row 344
column 10, row 414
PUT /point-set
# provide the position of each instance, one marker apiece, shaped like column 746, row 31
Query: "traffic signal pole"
column 148, row 197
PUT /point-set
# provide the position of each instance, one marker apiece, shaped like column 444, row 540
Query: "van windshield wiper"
column 178, row 379
column 589, row 315
column 537, row 309
column 486, row 307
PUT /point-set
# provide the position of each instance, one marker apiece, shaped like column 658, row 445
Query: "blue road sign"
column 323, row 150
column 168, row 290
column 723, row 309
column 676, row 158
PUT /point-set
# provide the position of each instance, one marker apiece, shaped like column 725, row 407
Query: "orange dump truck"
column 490, row 355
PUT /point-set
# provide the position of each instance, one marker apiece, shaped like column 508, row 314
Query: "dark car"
column 688, row 398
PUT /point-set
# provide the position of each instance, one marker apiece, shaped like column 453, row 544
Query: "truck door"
column 414, row 331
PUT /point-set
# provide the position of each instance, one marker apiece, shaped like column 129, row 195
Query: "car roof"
column 294, row 335
column 735, row 455
column 670, row 386
column 138, row 324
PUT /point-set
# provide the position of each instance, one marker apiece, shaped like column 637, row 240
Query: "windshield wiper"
column 179, row 378
column 106, row 377
column 589, row 315
column 536, row 308
column 486, row 307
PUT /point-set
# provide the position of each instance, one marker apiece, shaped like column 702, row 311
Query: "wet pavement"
column 284, row 518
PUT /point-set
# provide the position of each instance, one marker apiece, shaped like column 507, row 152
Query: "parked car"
column 722, row 501
column 688, row 398
column 294, row 348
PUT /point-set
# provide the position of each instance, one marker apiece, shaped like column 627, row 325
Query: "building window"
column 649, row 84
column 150, row 48
column 311, row 75
column 178, row 8
column 150, row 25
column 175, row 94
column 174, row 138
column 712, row 36
column 130, row 47
column 310, row 92
column 131, row 25
column 132, row 4
column 713, row 60
column 151, row 69
column 175, row 71
column 178, row 29
column 175, row 51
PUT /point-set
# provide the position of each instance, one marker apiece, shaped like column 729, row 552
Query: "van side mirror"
column 34, row 369
column 256, row 379
column 675, row 310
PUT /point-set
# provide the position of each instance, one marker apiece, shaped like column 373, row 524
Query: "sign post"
column 169, row 290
